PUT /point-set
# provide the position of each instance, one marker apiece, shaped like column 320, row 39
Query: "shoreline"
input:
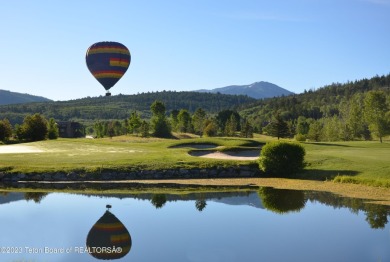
column 369, row 194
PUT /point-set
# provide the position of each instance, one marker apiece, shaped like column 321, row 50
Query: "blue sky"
column 189, row 45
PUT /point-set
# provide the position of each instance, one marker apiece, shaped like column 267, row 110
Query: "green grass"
column 121, row 153
column 363, row 162
column 346, row 162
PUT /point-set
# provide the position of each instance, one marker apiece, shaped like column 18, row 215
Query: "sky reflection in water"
column 261, row 225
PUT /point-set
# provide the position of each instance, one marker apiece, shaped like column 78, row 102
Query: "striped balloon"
column 108, row 238
column 108, row 62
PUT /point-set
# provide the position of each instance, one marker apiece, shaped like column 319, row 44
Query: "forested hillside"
column 121, row 106
column 340, row 105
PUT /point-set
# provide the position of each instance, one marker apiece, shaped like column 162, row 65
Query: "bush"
column 300, row 137
column 282, row 159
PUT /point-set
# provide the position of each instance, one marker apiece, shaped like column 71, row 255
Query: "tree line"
column 338, row 112
column 363, row 117
column 352, row 111
column 88, row 110
column 34, row 128
column 162, row 123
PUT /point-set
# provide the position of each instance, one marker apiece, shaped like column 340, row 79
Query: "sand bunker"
column 19, row 149
column 229, row 155
column 196, row 146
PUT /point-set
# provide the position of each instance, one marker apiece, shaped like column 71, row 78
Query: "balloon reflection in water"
column 108, row 239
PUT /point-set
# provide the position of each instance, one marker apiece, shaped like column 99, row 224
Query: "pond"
column 228, row 224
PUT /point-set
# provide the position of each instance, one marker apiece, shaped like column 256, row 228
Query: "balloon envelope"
column 108, row 62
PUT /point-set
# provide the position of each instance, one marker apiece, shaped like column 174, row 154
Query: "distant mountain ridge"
column 8, row 97
column 256, row 90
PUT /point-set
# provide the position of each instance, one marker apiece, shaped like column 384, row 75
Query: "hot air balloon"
column 108, row 62
column 108, row 239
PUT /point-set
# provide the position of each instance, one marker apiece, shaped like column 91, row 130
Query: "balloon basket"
column 108, row 94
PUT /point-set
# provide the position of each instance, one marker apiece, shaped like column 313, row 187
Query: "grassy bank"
column 350, row 162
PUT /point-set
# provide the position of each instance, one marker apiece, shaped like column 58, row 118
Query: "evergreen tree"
column 160, row 125
column 278, row 127
column 246, row 130
column 134, row 123
column 144, row 129
column 184, row 121
column 223, row 117
column 231, row 126
column 174, row 120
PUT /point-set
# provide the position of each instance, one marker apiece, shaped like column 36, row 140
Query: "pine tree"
column 159, row 122
column 246, row 130
column 134, row 123
column 278, row 127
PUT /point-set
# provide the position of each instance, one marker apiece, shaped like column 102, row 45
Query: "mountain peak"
column 256, row 90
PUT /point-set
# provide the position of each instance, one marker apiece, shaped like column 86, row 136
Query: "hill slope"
column 8, row 97
column 256, row 90
column 120, row 107
column 316, row 104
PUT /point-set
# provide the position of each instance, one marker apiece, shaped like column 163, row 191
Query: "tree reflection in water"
column 283, row 201
column 280, row 201
column 35, row 196
column 158, row 200
column 200, row 204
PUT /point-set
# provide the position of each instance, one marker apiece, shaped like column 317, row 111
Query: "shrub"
column 282, row 159
column 300, row 137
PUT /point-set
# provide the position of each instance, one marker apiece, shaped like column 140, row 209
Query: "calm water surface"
column 261, row 225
